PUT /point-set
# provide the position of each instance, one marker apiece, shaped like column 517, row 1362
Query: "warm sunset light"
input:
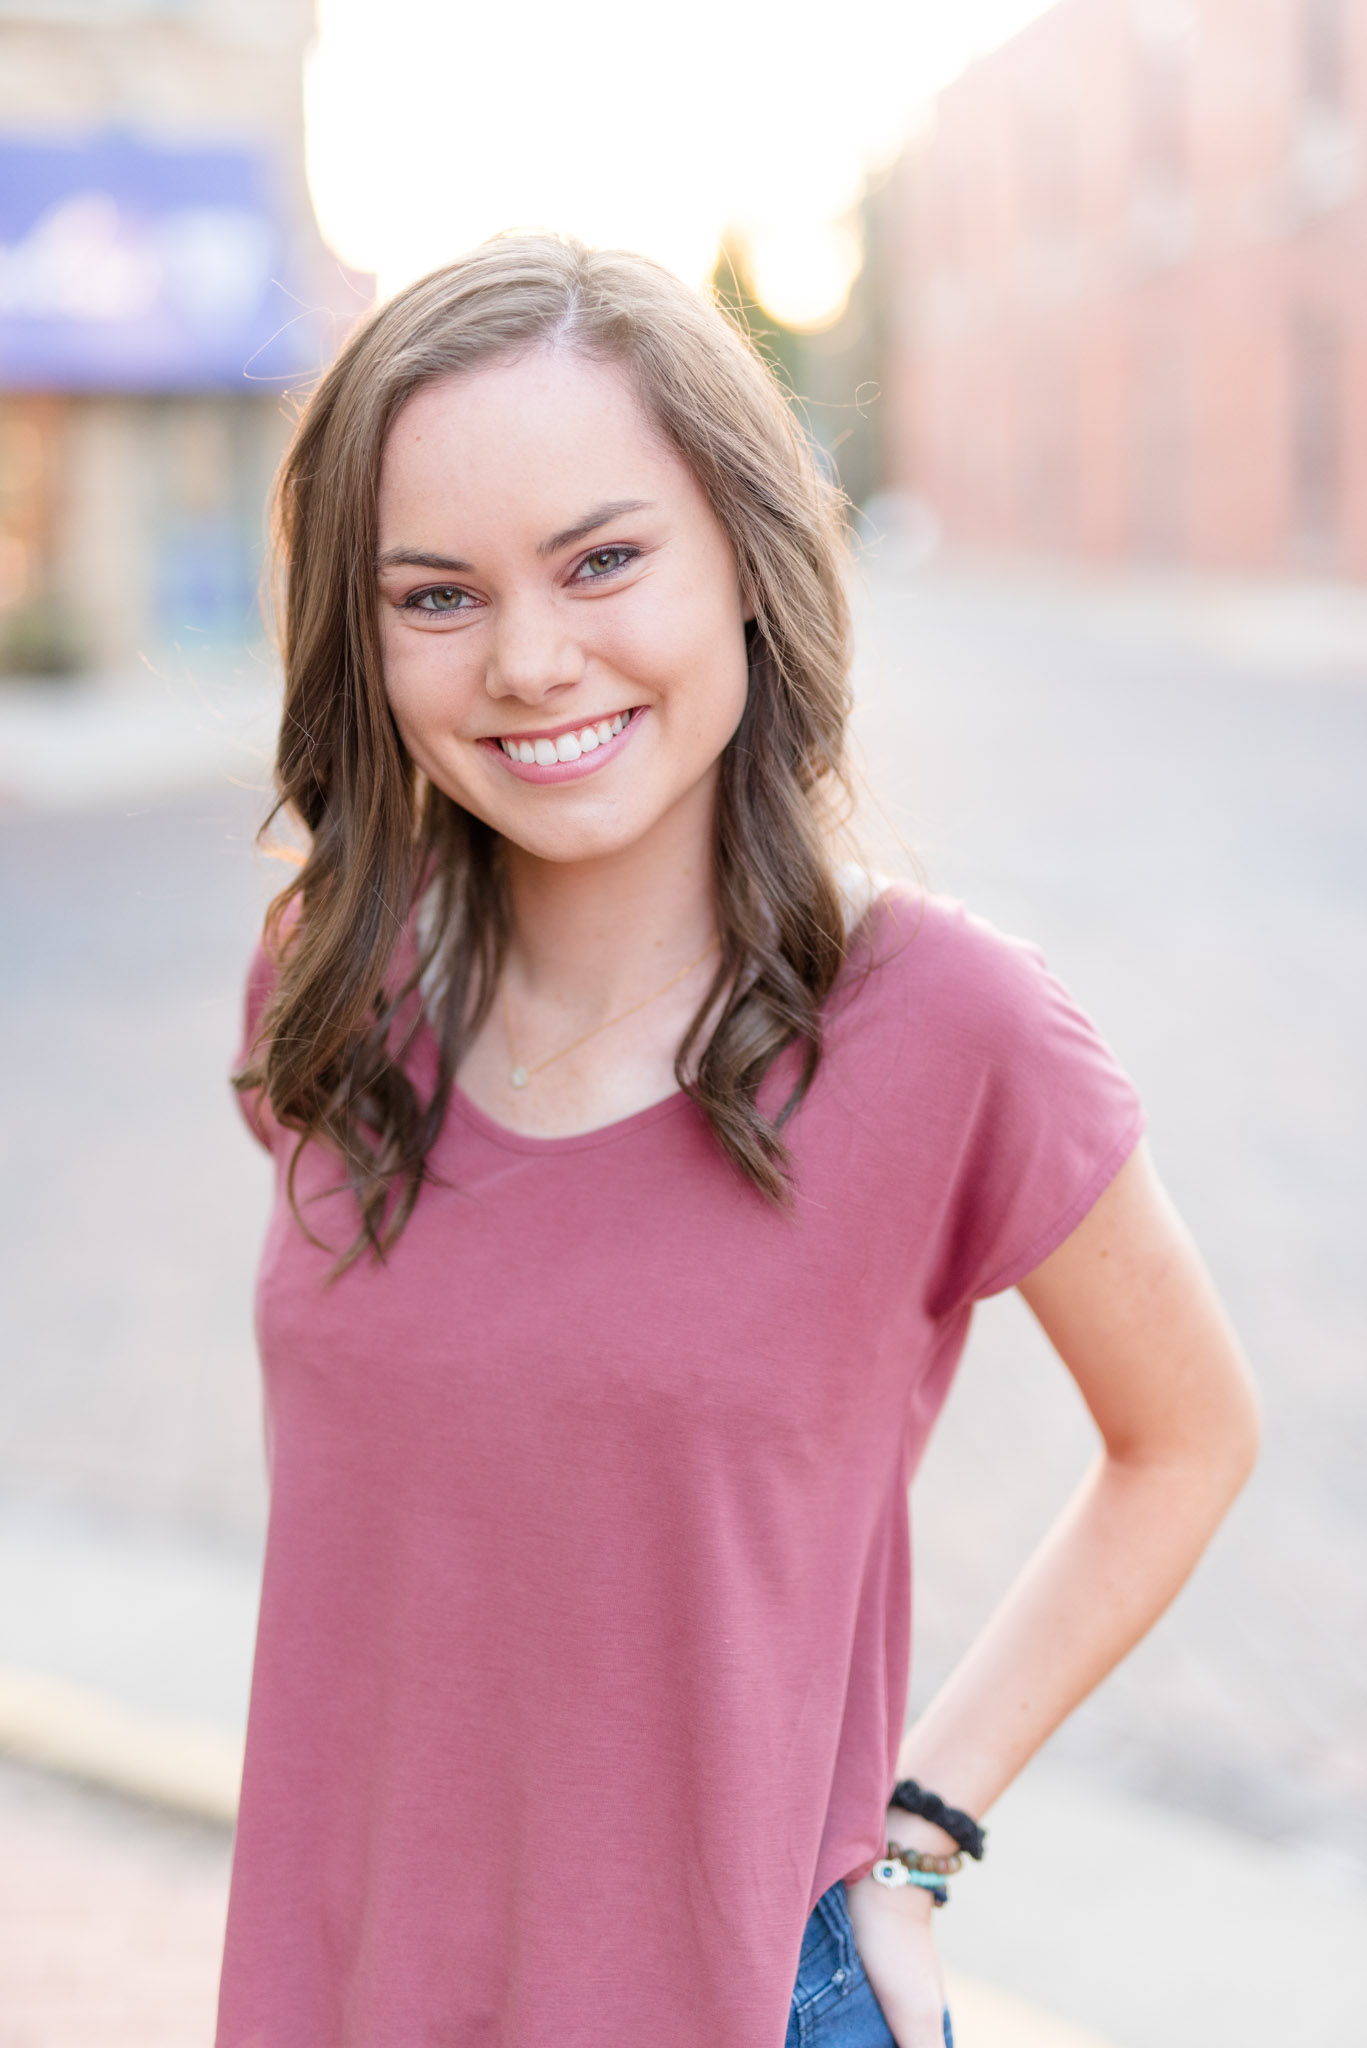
column 660, row 129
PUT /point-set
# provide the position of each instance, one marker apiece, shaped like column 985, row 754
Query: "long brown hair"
column 329, row 1053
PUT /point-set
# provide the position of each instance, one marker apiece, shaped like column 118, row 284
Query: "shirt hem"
column 1063, row 1226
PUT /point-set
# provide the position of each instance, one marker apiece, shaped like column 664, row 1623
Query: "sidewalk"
column 1309, row 629
column 69, row 745
column 1098, row 1922
column 125, row 1661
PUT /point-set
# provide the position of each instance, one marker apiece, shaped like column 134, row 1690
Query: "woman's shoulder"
column 940, row 991
column 263, row 977
column 985, row 1078
column 263, row 969
column 920, row 952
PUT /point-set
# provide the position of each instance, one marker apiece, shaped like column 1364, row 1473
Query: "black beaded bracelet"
column 960, row 1827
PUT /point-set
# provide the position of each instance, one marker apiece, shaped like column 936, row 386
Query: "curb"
column 191, row 1766
column 987, row 2018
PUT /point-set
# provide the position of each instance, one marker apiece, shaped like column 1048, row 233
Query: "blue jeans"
column 833, row 2002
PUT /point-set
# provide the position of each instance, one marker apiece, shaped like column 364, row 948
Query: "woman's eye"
column 447, row 599
column 603, row 561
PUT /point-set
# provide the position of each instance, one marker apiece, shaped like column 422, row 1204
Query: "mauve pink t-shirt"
column 585, row 1624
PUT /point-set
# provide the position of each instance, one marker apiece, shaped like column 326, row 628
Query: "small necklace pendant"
column 519, row 1077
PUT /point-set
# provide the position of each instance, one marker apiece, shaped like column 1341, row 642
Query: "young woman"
column 638, row 1174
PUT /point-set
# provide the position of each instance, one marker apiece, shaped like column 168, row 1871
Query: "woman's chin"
column 552, row 826
column 574, row 845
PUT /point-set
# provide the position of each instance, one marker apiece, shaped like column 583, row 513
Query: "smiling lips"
column 564, row 756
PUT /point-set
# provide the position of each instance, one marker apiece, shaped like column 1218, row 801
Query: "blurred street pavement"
column 1138, row 777
column 87, row 743
column 111, row 1919
column 1162, row 784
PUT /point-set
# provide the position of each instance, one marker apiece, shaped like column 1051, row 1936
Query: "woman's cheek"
column 425, row 681
column 674, row 644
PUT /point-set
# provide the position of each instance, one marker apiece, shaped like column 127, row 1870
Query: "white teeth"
column 570, row 745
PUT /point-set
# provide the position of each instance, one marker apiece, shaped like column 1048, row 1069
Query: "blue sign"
column 128, row 267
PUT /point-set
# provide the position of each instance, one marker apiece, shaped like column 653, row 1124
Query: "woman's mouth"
column 568, row 751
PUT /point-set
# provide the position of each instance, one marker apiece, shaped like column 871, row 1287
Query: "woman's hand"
column 892, row 1931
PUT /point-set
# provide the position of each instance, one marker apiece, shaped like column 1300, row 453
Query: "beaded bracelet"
column 960, row 1827
column 892, row 1872
column 921, row 1859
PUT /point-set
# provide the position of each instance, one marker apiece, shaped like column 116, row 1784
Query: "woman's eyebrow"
column 418, row 558
column 616, row 508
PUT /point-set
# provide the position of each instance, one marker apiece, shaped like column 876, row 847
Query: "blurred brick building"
column 162, row 287
column 1128, row 318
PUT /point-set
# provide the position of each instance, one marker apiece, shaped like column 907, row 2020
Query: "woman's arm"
column 1128, row 1306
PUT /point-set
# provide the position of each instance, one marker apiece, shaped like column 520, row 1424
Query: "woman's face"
column 560, row 613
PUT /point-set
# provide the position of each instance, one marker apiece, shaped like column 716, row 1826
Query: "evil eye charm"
column 890, row 1873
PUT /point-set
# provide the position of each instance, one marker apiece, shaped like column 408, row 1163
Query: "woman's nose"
column 532, row 654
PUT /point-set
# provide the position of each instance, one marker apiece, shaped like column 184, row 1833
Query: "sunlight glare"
column 429, row 128
column 802, row 274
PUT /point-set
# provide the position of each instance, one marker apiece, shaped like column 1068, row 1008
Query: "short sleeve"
column 262, row 975
column 1036, row 1114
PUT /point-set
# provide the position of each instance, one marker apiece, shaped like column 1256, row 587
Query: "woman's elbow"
column 1206, row 1450
column 1242, row 1437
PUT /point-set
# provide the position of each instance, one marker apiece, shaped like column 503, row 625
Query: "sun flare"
column 429, row 129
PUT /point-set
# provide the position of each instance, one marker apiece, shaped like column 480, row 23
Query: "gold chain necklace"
column 520, row 1073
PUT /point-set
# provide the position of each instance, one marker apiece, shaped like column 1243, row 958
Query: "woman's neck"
column 592, row 935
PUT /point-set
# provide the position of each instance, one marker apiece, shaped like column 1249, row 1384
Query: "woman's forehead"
column 543, row 437
column 547, row 396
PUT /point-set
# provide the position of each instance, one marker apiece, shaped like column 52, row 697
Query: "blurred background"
column 1072, row 299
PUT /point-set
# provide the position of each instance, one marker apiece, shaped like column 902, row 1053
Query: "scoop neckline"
column 570, row 1141
column 601, row 1134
